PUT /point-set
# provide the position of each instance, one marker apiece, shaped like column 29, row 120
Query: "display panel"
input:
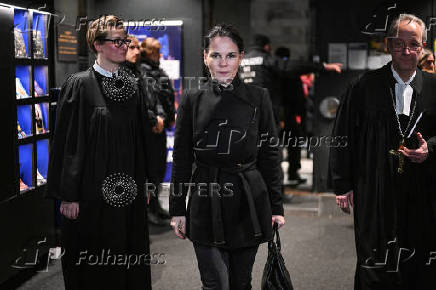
column 21, row 33
column 25, row 153
column 22, row 81
column 41, row 161
column 40, row 80
column 169, row 35
column 41, row 118
column 39, row 33
column 32, row 85
column 24, row 121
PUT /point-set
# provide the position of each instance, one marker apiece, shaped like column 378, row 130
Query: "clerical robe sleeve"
column 183, row 157
column 268, row 159
column 341, row 161
column 67, row 151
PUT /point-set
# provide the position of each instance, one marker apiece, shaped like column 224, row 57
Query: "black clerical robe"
column 394, row 214
column 99, row 149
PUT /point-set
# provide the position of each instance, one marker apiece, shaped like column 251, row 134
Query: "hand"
column 279, row 219
column 70, row 209
column 417, row 155
column 344, row 201
column 282, row 124
column 158, row 128
column 337, row 67
column 178, row 223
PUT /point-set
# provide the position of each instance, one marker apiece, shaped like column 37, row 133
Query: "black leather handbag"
column 275, row 275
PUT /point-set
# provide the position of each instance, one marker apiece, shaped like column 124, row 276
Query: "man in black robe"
column 97, row 169
column 388, row 117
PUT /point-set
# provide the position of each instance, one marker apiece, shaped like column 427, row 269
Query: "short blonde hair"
column 100, row 27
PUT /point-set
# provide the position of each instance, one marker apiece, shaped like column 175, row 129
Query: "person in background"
column 133, row 55
column 97, row 168
column 155, row 116
column 426, row 62
column 159, row 84
column 294, row 110
column 260, row 68
column 385, row 170
column 236, row 194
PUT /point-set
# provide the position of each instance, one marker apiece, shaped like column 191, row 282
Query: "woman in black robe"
column 97, row 169
column 225, row 128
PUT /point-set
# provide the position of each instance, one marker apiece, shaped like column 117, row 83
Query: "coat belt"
column 217, row 222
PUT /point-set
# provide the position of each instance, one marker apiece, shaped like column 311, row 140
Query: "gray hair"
column 393, row 29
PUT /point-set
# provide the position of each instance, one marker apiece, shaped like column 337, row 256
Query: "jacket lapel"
column 205, row 107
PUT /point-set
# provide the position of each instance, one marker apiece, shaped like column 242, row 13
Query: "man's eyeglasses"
column 118, row 42
column 399, row 45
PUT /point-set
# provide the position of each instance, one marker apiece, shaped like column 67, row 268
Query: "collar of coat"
column 207, row 99
column 416, row 83
column 239, row 90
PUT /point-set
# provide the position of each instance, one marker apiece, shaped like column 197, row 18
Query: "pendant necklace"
column 119, row 88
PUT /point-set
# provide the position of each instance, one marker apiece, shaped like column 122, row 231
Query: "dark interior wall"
column 239, row 16
column 190, row 11
column 342, row 20
column 67, row 9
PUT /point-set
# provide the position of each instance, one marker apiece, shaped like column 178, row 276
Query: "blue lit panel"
column 22, row 81
column 40, row 80
column 25, row 159
column 24, row 119
column 21, row 33
column 39, row 35
column 41, row 118
column 42, row 161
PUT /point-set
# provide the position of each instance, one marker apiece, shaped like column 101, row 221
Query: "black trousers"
column 222, row 269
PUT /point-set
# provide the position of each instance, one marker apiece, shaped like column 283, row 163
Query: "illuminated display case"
column 26, row 70
column 32, row 99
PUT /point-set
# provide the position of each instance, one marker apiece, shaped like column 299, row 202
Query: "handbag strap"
column 277, row 235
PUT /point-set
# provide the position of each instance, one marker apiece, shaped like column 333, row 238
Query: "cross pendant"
column 400, row 156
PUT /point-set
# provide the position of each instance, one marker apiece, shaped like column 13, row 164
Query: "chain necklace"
column 402, row 134
column 397, row 153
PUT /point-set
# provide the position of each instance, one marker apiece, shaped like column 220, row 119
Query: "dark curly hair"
column 224, row 30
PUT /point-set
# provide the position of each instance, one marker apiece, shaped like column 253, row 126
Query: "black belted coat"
column 228, row 136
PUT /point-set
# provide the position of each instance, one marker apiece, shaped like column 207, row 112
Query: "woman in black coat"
column 226, row 130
